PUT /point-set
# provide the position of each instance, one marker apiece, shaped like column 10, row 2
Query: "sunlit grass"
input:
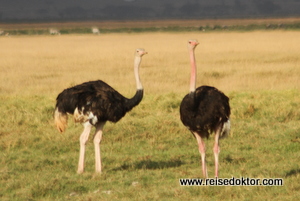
column 149, row 150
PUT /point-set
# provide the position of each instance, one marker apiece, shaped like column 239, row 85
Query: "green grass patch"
column 149, row 150
column 206, row 28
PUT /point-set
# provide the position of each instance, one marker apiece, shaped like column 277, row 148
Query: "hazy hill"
column 57, row 10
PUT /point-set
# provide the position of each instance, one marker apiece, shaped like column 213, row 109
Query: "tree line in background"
column 145, row 10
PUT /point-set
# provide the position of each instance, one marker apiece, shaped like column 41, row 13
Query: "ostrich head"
column 140, row 52
column 192, row 44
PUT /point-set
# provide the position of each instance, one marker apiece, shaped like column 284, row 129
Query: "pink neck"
column 193, row 71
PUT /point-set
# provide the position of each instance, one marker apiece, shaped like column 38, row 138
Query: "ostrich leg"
column 201, row 147
column 83, row 139
column 97, row 141
column 217, row 150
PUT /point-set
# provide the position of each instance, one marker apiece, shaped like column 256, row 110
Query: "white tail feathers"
column 226, row 129
column 60, row 120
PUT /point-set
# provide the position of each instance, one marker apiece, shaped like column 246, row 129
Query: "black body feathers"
column 204, row 110
column 96, row 98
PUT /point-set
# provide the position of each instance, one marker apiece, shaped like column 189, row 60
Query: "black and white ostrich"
column 92, row 104
column 205, row 110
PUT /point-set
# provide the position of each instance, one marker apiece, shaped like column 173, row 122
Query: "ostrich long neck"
column 137, row 62
column 136, row 99
column 193, row 70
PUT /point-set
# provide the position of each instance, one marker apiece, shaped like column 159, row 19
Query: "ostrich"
column 54, row 31
column 92, row 104
column 205, row 110
column 95, row 30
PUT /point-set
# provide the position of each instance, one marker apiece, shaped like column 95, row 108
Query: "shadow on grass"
column 150, row 165
column 236, row 160
column 292, row 172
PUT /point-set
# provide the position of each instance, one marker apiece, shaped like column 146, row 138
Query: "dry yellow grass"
column 230, row 61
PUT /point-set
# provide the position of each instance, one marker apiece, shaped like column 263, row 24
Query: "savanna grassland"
column 149, row 150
